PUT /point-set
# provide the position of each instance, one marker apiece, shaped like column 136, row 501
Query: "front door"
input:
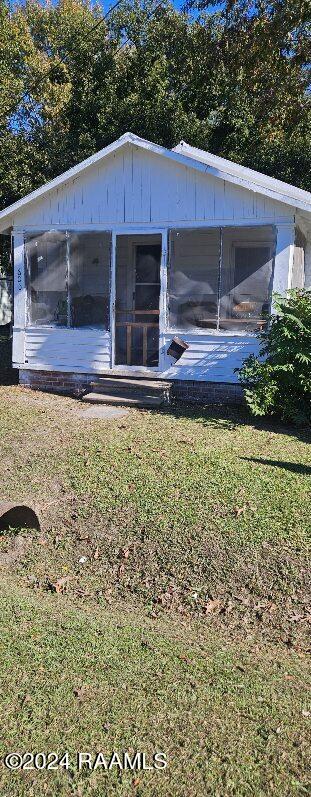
column 138, row 260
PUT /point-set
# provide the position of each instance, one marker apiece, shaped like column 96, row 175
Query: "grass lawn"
column 184, row 629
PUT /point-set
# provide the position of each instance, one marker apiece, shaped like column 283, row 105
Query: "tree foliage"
column 234, row 81
column 278, row 382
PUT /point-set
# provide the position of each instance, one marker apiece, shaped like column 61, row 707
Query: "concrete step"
column 124, row 399
column 134, row 373
column 137, row 387
column 138, row 382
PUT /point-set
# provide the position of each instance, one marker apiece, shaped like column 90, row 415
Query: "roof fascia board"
column 250, row 176
column 187, row 160
column 63, row 178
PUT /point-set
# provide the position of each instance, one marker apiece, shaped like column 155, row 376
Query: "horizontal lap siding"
column 138, row 187
column 210, row 358
column 73, row 349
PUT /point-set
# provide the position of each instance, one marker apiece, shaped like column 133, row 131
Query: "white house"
column 139, row 244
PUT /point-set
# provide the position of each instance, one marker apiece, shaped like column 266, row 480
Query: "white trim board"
column 148, row 227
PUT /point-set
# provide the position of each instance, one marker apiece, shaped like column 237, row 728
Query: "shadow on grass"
column 8, row 376
column 295, row 467
column 232, row 417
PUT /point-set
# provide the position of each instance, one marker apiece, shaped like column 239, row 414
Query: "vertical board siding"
column 134, row 186
column 297, row 277
column 284, row 255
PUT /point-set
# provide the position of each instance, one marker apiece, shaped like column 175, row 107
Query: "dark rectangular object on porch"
column 177, row 347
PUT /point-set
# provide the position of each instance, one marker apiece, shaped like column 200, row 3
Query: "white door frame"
column 137, row 231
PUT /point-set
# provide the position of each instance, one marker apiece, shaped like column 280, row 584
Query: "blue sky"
column 106, row 4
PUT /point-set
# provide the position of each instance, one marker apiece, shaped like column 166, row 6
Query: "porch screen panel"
column 246, row 279
column 298, row 271
column 193, row 279
column 89, row 279
column 47, row 268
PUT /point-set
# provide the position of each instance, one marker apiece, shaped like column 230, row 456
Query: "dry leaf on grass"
column 124, row 553
column 239, row 510
column 80, row 692
column 212, row 606
column 60, row 585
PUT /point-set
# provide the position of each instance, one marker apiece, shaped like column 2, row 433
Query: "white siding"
column 308, row 264
column 137, row 187
column 210, row 358
column 284, row 256
column 135, row 190
column 67, row 349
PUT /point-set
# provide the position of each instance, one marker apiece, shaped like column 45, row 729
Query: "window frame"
column 33, row 234
column 268, row 242
column 66, row 233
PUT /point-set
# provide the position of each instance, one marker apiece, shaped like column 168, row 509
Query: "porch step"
column 140, row 387
column 123, row 399
column 128, row 392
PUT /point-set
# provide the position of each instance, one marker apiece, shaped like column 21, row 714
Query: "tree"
column 263, row 56
column 232, row 81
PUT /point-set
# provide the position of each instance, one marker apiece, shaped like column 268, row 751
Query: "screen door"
column 138, row 260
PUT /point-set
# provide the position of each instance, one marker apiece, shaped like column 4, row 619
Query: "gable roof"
column 256, row 180
column 185, row 155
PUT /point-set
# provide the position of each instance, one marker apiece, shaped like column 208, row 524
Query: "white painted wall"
column 210, row 358
column 137, row 187
column 134, row 191
column 297, row 276
column 308, row 264
column 67, row 349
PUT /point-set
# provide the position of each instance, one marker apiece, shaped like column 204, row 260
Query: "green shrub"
column 278, row 382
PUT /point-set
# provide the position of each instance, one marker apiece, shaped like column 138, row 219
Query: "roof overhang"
column 255, row 181
column 184, row 155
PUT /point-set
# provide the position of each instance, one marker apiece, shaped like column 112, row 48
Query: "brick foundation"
column 184, row 391
column 207, row 392
column 69, row 384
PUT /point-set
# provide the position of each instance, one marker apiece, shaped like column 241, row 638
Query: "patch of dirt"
column 17, row 548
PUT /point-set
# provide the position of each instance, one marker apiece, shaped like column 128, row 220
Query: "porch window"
column 193, row 284
column 68, row 279
column 47, row 291
column 220, row 279
column 89, row 264
column 246, row 276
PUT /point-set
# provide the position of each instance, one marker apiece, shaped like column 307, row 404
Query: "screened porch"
column 137, row 286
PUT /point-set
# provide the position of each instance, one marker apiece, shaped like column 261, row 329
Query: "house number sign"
column 20, row 278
